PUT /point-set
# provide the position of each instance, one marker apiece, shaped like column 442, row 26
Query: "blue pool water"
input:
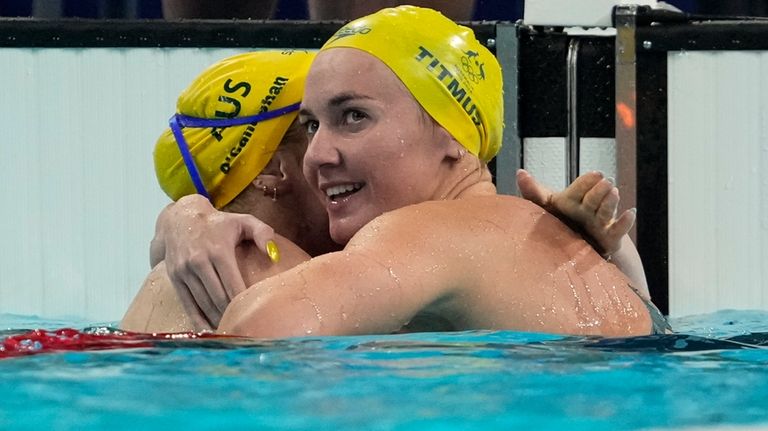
column 715, row 375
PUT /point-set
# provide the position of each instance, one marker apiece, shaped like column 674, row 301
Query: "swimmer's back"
column 509, row 265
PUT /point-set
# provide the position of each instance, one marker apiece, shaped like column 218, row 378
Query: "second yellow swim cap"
column 208, row 153
column 454, row 77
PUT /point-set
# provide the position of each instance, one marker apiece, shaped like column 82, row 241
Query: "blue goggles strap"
column 189, row 162
column 178, row 121
column 187, row 121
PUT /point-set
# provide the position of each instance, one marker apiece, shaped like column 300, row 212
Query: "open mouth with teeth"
column 339, row 192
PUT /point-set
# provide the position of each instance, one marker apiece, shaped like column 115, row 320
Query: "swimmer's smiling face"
column 372, row 147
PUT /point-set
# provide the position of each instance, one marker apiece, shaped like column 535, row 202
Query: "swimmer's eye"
column 353, row 116
column 311, row 126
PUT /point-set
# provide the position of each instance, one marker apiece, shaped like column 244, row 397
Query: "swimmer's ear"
column 451, row 148
column 277, row 175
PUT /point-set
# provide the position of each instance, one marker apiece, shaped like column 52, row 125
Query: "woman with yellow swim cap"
column 403, row 109
column 349, row 206
column 234, row 140
column 203, row 155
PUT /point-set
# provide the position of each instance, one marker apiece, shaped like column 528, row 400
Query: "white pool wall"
column 718, row 180
column 76, row 172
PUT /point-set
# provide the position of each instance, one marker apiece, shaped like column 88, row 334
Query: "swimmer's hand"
column 589, row 204
column 198, row 244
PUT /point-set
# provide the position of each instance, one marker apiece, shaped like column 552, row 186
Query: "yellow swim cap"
column 454, row 77
column 234, row 116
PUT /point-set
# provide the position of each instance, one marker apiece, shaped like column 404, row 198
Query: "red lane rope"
column 68, row 339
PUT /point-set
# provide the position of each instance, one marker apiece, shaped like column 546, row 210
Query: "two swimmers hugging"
column 398, row 123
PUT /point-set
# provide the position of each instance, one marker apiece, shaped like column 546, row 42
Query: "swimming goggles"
column 179, row 121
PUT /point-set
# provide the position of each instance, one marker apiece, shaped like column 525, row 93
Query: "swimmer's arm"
column 374, row 286
column 627, row 259
column 160, row 306
column 157, row 308
column 198, row 244
column 157, row 245
column 203, row 298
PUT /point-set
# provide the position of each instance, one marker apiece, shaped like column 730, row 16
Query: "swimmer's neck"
column 468, row 177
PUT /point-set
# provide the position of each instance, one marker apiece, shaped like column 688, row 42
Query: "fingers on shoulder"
column 531, row 189
column 606, row 209
column 624, row 223
column 583, row 184
column 602, row 193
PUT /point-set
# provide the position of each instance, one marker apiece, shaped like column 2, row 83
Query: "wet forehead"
column 349, row 71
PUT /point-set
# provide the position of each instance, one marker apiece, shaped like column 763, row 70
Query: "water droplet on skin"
column 394, row 277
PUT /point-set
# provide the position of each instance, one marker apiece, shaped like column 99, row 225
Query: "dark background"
column 502, row 10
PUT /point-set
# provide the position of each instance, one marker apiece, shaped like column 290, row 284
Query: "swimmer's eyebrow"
column 304, row 112
column 342, row 98
column 337, row 101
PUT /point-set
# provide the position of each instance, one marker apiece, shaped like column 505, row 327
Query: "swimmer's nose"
column 321, row 151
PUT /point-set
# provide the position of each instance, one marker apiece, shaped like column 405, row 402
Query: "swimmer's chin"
column 342, row 234
column 343, row 229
